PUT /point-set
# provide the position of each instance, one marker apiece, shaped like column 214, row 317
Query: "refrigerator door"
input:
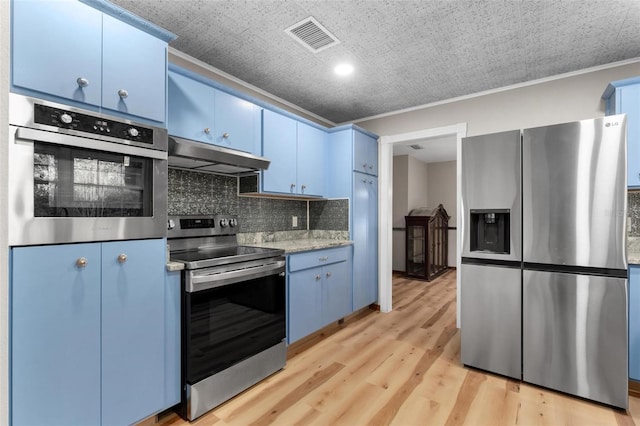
column 575, row 335
column 491, row 315
column 574, row 189
column 491, row 182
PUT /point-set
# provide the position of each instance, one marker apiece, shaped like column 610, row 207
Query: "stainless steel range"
column 233, row 311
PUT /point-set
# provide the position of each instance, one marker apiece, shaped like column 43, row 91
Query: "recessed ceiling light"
column 343, row 69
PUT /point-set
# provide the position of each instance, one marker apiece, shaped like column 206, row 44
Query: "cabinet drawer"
column 316, row 258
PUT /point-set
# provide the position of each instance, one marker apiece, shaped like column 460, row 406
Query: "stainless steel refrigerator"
column 573, row 286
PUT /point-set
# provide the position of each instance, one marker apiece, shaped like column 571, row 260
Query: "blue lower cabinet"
column 88, row 333
column 634, row 322
column 172, row 339
column 319, row 290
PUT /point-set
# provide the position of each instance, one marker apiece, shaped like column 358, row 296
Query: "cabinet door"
column 237, row 123
column 305, row 303
column 365, row 153
column 54, row 44
column 629, row 98
column 279, row 145
column 365, row 236
column 190, row 108
column 634, row 322
column 172, row 339
column 336, row 293
column 132, row 330
column 55, row 335
column 312, row 152
column 136, row 62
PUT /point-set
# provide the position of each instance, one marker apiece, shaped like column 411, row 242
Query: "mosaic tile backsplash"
column 203, row 193
column 633, row 213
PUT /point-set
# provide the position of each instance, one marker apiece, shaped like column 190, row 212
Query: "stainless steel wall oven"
column 77, row 175
column 233, row 311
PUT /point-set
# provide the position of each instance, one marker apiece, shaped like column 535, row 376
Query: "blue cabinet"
column 88, row 333
column 298, row 154
column 365, row 239
column 344, row 180
column 201, row 112
column 69, row 51
column 623, row 97
column 634, row 322
column 319, row 290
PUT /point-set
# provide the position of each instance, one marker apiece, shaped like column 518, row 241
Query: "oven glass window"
column 73, row 182
column 228, row 324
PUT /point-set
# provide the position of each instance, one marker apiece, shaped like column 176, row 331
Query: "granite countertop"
column 175, row 266
column 304, row 244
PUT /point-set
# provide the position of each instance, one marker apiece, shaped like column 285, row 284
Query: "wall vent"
column 312, row 35
column 416, row 146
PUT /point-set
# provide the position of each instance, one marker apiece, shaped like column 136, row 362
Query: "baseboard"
column 634, row 388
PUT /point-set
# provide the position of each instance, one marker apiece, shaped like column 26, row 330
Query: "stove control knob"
column 171, row 224
column 133, row 132
column 233, row 222
column 223, row 223
column 66, row 118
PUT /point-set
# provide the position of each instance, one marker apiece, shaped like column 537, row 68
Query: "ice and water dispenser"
column 490, row 231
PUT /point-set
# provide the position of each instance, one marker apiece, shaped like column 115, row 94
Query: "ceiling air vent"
column 416, row 146
column 312, row 35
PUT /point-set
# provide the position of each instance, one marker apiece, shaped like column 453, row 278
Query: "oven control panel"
column 69, row 119
column 201, row 226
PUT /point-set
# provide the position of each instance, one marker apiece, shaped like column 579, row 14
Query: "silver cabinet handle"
column 370, row 182
column 328, row 274
column 364, row 165
column 82, row 262
column 318, row 277
column 364, row 180
column 122, row 258
column 293, row 185
column 207, row 130
column 303, row 188
column 323, row 258
column 82, row 82
column 225, row 135
column 123, row 93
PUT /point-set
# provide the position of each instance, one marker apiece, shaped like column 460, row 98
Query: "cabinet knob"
column 82, row 262
column 364, row 180
column 364, row 165
column 207, row 130
column 371, row 167
column 303, row 188
column 328, row 274
column 318, row 277
column 82, row 82
column 370, row 182
column 123, row 93
column 122, row 258
column 225, row 135
column 293, row 185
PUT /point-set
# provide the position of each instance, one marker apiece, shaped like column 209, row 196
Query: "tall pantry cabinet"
column 353, row 174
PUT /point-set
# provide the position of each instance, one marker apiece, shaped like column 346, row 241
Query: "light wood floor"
column 401, row 368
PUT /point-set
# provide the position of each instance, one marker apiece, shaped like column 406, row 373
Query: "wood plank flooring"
column 400, row 368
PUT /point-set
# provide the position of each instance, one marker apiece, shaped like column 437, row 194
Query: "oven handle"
column 28, row 134
column 205, row 281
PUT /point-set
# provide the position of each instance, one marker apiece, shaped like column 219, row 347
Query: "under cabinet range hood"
column 203, row 157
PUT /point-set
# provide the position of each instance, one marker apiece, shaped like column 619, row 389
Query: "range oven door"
column 228, row 323
column 66, row 188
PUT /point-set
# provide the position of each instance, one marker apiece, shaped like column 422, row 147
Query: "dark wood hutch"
column 426, row 242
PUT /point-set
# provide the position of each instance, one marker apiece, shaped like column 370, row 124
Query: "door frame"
column 385, row 206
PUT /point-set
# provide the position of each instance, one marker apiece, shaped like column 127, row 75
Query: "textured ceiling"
column 405, row 53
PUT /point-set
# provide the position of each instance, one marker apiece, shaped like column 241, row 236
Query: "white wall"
column 441, row 187
column 575, row 97
column 400, row 206
column 417, row 183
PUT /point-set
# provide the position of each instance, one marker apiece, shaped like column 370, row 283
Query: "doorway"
column 385, row 204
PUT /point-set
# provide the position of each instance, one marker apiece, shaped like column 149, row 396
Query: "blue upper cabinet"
column 236, row 123
column 365, row 153
column 623, row 97
column 134, row 70
column 57, row 49
column 190, row 108
column 203, row 113
column 311, row 162
column 279, row 144
column 71, row 52
column 298, row 154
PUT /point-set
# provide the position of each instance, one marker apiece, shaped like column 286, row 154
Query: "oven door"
column 234, row 318
column 65, row 188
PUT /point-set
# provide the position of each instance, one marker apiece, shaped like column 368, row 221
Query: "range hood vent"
column 202, row 157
